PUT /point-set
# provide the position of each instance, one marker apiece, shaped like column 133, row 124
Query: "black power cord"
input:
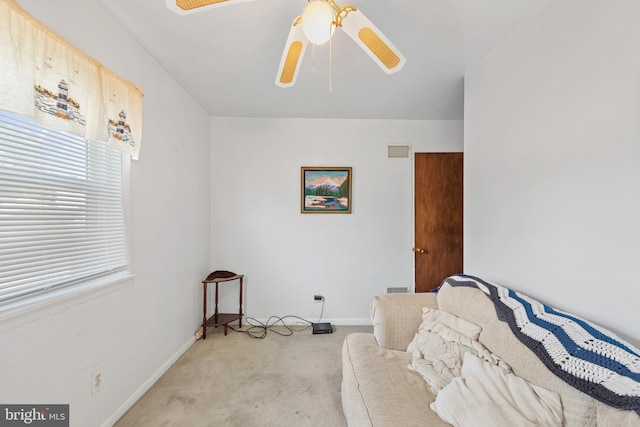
column 259, row 330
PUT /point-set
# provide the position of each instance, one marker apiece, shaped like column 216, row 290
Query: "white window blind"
column 61, row 210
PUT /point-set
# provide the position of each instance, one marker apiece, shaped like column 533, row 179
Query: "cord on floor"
column 259, row 330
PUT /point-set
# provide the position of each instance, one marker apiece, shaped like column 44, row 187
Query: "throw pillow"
column 465, row 327
column 487, row 395
column 438, row 348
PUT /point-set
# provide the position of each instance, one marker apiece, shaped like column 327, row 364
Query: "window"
column 62, row 223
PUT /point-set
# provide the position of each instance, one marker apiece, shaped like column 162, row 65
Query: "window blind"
column 61, row 210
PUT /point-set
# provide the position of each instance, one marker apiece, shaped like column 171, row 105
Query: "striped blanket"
column 587, row 356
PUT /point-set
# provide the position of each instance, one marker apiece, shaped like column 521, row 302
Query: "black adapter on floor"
column 322, row 328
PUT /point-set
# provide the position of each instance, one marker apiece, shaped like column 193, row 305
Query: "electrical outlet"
column 96, row 381
column 318, row 298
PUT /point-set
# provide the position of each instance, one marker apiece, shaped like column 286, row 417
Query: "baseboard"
column 147, row 384
column 343, row 322
column 349, row 322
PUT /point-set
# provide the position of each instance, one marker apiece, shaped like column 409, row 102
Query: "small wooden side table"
column 217, row 277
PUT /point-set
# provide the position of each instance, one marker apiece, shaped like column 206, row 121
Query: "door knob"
column 419, row 250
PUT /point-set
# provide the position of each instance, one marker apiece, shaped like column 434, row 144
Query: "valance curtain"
column 45, row 78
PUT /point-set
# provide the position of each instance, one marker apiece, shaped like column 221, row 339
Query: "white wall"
column 552, row 161
column 287, row 257
column 134, row 331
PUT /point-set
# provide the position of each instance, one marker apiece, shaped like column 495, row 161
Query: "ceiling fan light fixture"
column 316, row 25
column 318, row 21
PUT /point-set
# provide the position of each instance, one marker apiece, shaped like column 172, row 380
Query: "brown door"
column 438, row 218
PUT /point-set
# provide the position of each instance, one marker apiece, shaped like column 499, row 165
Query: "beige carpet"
column 236, row 380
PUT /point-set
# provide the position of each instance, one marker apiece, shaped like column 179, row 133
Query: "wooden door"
column 438, row 218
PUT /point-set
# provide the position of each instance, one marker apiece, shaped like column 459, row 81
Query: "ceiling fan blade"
column 292, row 56
column 184, row 7
column 371, row 39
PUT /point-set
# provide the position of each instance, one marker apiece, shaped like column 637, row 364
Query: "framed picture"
column 326, row 189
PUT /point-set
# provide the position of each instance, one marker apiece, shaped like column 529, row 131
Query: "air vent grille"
column 398, row 290
column 398, row 151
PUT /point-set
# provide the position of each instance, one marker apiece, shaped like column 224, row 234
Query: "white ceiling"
column 227, row 57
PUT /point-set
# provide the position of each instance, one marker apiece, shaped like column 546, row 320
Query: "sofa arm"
column 396, row 317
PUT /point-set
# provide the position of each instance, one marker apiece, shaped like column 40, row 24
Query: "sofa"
column 492, row 374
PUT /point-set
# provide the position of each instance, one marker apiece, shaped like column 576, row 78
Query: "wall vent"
column 398, row 290
column 398, row 151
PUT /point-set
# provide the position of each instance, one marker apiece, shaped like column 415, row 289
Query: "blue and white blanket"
column 587, row 356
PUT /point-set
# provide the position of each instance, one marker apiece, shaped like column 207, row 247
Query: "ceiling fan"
column 316, row 25
column 185, row 7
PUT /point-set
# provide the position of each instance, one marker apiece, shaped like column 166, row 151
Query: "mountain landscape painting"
column 326, row 190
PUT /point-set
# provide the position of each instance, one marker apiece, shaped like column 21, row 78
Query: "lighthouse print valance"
column 45, row 78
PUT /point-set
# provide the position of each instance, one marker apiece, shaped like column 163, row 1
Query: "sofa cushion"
column 579, row 409
column 378, row 389
column 487, row 395
column 583, row 354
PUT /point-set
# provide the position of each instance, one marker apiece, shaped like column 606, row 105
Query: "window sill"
column 61, row 298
